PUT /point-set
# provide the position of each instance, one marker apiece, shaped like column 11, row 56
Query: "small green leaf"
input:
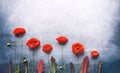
column 63, row 68
column 17, row 70
column 48, row 70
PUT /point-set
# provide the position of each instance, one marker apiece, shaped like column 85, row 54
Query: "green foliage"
column 48, row 70
column 63, row 68
column 54, row 67
column 17, row 70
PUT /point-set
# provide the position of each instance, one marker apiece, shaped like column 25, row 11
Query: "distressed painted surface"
column 95, row 23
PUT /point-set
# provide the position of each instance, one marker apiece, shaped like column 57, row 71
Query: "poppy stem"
column 33, row 62
column 28, row 67
column 60, row 71
column 62, row 58
column 48, row 60
column 93, row 67
column 15, row 56
column 20, row 47
column 48, row 64
column 77, row 65
column 20, row 53
column 62, row 54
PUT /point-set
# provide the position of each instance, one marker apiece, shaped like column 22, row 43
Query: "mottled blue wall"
column 94, row 23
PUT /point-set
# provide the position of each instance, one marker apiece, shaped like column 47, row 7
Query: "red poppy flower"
column 47, row 48
column 62, row 39
column 77, row 48
column 19, row 31
column 94, row 53
column 33, row 43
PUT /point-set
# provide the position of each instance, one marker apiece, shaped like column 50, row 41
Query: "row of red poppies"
column 34, row 43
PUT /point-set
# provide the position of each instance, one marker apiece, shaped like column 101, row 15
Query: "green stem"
column 28, row 67
column 48, row 64
column 77, row 65
column 20, row 48
column 20, row 56
column 48, row 60
column 64, row 71
column 64, row 68
column 15, row 56
column 62, row 54
column 60, row 71
column 33, row 62
column 93, row 67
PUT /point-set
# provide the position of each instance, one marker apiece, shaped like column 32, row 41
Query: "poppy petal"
column 47, row 48
column 62, row 39
column 94, row 53
column 33, row 43
column 19, row 31
column 77, row 48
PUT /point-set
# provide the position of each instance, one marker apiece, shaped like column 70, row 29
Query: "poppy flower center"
column 77, row 47
column 33, row 43
column 46, row 48
column 95, row 53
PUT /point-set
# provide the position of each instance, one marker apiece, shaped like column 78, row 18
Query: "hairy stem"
column 48, row 64
column 15, row 56
column 93, row 67
column 48, row 60
column 20, row 48
column 77, row 65
column 62, row 54
column 33, row 62
column 28, row 67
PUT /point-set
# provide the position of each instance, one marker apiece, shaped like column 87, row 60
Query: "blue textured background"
column 49, row 19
